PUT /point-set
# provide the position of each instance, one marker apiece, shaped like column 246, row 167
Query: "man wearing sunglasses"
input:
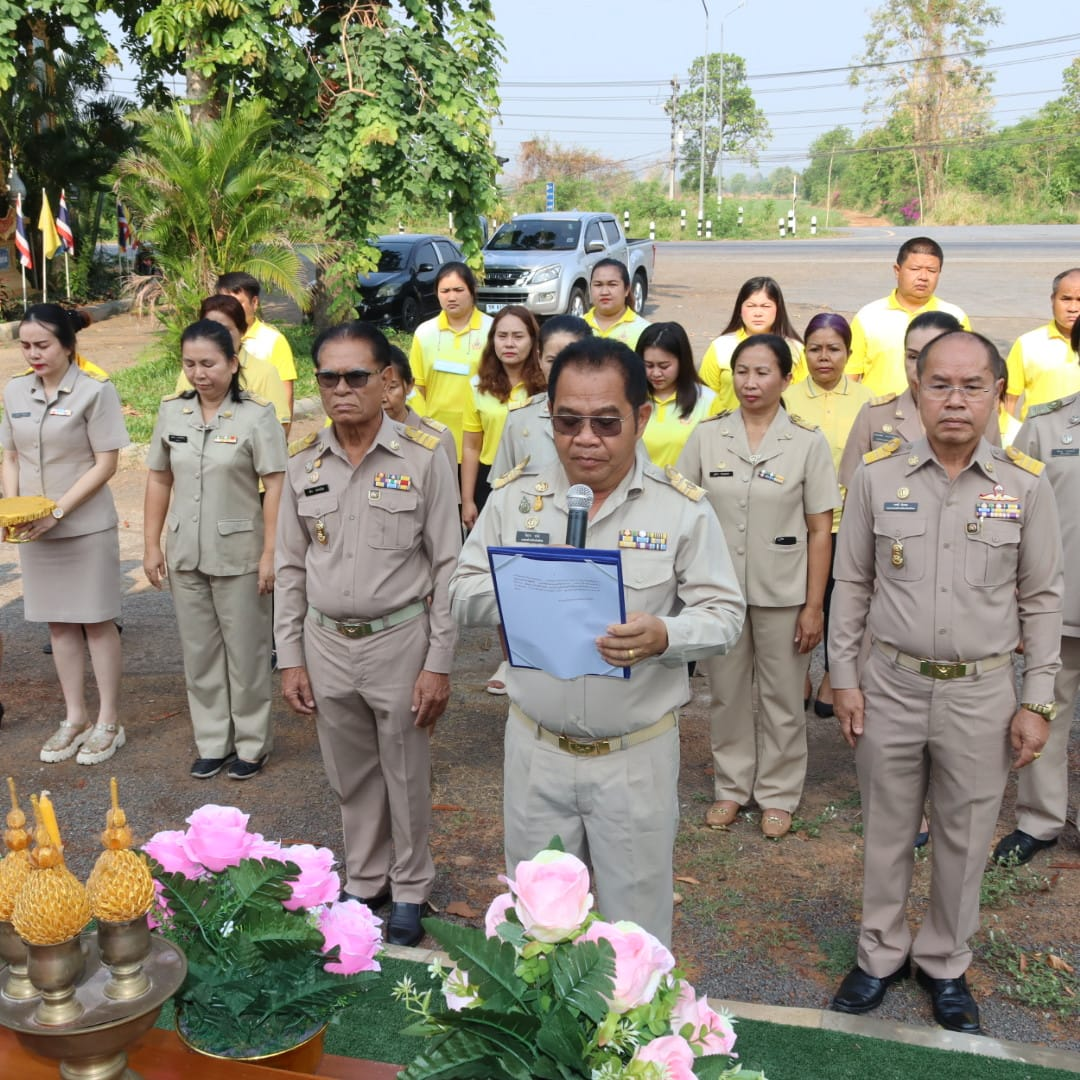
column 367, row 539
column 595, row 760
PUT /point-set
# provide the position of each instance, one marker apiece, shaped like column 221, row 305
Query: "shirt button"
column 742, row 503
column 944, row 588
column 740, row 551
column 942, row 631
column 348, row 592
column 741, row 527
column 946, row 546
column 352, row 517
column 195, row 518
column 196, row 498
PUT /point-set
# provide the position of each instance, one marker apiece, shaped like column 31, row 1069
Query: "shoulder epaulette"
column 1046, row 407
column 538, row 397
column 435, row 425
column 512, row 475
column 882, row 452
column 255, row 398
column 717, row 416
column 421, row 438
column 684, row 486
column 883, row 399
column 302, row 444
column 170, row 397
column 798, row 421
column 97, row 376
column 515, row 405
column 1028, row 464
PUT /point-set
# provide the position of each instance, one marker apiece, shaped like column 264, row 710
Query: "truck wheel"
column 410, row 313
column 640, row 292
column 577, row 305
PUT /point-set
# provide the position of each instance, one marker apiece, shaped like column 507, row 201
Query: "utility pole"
column 704, row 102
column 674, row 137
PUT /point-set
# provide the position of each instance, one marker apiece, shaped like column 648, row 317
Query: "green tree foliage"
column 745, row 129
column 27, row 25
column 828, row 164
column 881, row 175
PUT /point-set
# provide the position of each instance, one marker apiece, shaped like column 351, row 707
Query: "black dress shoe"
column 205, row 767
column 404, row 927
column 954, row 1007
column 379, row 900
column 1019, row 847
column 860, row 991
column 824, row 709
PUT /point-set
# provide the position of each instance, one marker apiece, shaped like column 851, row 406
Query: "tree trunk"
column 200, row 90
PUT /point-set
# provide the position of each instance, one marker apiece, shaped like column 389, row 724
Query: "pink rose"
column 261, row 848
column 218, row 837
column 551, row 895
column 351, row 926
column 159, row 911
column 672, row 1053
column 640, row 961
column 457, row 991
column 167, row 848
column 709, row 1031
column 318, row 883
column 496, row 913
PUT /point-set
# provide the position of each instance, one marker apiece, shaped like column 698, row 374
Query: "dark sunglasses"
column 602, row 426
column 356, row 379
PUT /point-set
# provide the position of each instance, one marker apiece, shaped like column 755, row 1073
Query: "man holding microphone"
column 595, row 759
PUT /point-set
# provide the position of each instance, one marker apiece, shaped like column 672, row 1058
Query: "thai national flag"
column 63, row 227
column 22, row 245
column 123, row 232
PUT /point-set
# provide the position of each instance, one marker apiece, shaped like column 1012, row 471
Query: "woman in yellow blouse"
column 612, row 314
column 759, row 309
column 509, row 375
column 831, row 400
column 679, row 399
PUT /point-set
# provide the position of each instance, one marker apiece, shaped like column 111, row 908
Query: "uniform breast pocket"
column 900, row 546
column 393, row 520
column 317, row 508
column 648, row 576
column 990, row 555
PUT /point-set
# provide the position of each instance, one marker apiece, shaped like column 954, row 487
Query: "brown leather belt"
column 943, row 669
column 597, row 747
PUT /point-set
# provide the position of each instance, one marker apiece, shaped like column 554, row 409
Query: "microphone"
column 579, row 500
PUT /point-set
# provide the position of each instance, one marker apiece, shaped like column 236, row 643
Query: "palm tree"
column 215, row 196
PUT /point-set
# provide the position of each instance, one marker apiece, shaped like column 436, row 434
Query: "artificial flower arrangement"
column 548, row 989
column 272, row 954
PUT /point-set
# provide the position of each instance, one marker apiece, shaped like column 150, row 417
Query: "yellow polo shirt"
column 715, row 368
column 263, row 342
column 1042, row 367
column 488, row 414
column 833, row 411
column 627, row 329
column 259, row 378
column 666, row 432
column 877, row 341
column 443, row 362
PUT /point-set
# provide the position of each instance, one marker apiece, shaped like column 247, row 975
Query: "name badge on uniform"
column 722, row 472
column 321, row 489
column 882, row 436
column 393, row 481
column 59, row 412
column 527, row 536
column 229, row 440
column 177, row 438
column 643, row 541
column 19, row 415
column 774, row 478
column 451, row 367
column 998, row 506
column 1068, row 451
column 903, row 506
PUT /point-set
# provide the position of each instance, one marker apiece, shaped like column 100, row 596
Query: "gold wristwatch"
column 1047, row 712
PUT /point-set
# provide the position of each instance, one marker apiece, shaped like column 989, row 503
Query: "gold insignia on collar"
column 913, row 459
column 903, row 492
column 886, row 428
column 394, row 444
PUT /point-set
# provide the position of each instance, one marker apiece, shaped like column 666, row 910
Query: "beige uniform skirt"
column 72, row 580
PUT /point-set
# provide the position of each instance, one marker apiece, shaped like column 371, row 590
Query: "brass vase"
column 14, row 952
column 124, row 946
column 54, row 970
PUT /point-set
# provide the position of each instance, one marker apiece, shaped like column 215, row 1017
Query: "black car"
column 401, row 290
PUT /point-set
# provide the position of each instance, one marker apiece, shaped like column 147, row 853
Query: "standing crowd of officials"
column 851, row 475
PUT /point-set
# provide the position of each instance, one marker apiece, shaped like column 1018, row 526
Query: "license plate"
column 492, row 308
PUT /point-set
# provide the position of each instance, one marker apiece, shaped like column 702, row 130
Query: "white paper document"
column 555, row 603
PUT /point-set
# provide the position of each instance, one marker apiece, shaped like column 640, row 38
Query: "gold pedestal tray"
column 94, row 1047
column 21, row 510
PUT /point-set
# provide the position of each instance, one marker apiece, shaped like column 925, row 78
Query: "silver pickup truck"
column 544, row 261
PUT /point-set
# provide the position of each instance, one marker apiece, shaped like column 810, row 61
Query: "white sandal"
column 102, row 744
column 64, row 742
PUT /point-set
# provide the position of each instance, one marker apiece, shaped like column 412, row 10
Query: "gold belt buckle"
column 354, row 630
column 942, row 671
column 584, row 749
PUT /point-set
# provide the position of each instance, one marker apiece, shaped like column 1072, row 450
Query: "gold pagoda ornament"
column 120, row 886
column 15, row 867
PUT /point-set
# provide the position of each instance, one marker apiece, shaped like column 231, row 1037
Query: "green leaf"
column 489, row 962
column 584, row 977
column 459, row 1056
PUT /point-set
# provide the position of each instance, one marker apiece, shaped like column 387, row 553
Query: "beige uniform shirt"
column 56, row 441
column 949, row 570
column 681, row 572
column 1051, row 434
column 526, row 434
column 359, row 542
column 762, row 498
column 215, row 522
column 445, row 436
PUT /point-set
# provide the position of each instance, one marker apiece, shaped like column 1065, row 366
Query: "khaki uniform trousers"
column 618, row 812
column 1042, row 788
column 953, row 736
column 378, row 762
column 225, row 632
column 775, row 747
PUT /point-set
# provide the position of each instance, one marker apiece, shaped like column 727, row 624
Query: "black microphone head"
column 579, row 497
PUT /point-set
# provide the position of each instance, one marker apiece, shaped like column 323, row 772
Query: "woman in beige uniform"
column 770, row 478
column 210, row 448
column 62, row 432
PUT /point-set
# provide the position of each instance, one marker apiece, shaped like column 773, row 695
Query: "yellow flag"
column 50, row 238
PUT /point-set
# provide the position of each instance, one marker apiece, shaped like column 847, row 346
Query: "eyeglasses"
column 938, row 392
column 605, row 427
column 356, row 379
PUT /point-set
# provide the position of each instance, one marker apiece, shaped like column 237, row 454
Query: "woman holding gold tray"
column 61, row 433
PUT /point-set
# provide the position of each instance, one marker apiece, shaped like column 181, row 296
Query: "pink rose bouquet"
column 640, row 961
column 551, row 895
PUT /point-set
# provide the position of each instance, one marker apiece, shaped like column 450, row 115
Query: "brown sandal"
column 775, row 823
column 721, row 814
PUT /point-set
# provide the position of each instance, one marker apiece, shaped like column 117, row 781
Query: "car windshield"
column 536, row 234
column 393, row 257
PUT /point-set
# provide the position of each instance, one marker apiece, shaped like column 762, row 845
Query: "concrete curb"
column 98, row 312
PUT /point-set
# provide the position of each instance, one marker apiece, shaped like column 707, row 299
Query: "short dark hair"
column 600, row 353
column 564, row 324
column 227, row 305
column 993, row 357
column 239, row 281
column 1075, row 338
column 1056, row 284
column 920, row 245
column 771, row 288
column 400, row 363
column 829, row 320
column 624, row 274
column 208, row 330
column 463, row 271
column 672, row 338
column 777, row 345
column 61, row 322
column 934, row 320
column 356, row 330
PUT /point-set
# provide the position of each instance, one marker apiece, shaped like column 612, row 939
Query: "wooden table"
column 159, row 1055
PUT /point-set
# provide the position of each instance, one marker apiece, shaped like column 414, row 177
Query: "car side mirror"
column 594, row 245
column 425, row 268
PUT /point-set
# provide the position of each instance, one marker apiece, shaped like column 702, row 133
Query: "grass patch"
column 1004, row 883
column 839, row 952
column 812, row 826
column 1037, row 977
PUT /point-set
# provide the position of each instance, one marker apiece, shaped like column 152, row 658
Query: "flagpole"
column 23, row 265
column 67, row 276
column 44, row 274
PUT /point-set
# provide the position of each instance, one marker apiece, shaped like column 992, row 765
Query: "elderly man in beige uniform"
column 948, row 556
column 595, row 760
column 1051, row 434
column 368, row 536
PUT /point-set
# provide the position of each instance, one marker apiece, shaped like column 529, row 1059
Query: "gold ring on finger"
column 1037, row 754
column 630, row 654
